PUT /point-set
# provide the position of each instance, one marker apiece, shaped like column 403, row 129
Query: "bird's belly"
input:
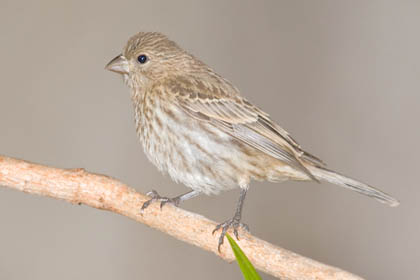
column 195, row 153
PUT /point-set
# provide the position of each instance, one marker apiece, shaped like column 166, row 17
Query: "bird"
column 196, row 126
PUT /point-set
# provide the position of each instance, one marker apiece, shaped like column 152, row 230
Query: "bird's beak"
column 119, row 65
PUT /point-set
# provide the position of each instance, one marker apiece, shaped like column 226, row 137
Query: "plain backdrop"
column 343, row 77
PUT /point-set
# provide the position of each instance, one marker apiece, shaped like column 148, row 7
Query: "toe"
column 235, row 231
column 162, row 203
column 216, row 228
column 145, row 205
column 221, row 239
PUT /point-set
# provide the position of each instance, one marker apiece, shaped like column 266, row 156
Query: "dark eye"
column 142, row 58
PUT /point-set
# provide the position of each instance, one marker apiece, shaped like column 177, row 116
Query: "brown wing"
column 236, row 116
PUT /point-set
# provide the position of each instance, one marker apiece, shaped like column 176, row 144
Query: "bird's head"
column 148, row 57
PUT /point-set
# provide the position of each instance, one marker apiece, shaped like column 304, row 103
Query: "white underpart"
column 177, row 153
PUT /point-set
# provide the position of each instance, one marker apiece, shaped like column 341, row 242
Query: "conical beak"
column 119, row 65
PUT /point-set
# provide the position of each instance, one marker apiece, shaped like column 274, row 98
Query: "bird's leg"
column 163, row 200
column 235, row 222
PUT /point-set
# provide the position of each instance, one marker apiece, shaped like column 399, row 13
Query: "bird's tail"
column 343, row 181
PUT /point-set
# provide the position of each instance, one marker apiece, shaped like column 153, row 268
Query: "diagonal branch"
column 102, row 192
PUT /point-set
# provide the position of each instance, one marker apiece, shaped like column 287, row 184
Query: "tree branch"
column 102, row 192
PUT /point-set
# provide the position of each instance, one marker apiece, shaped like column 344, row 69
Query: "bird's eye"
column 142, row 58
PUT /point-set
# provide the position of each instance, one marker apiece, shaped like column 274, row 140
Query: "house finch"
column 195, row 125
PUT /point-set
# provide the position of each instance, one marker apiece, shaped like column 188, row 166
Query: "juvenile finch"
column 195, row 125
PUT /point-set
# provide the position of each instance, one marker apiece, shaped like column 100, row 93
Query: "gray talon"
column 231, row 223
column 234, row 223
column 175, row 201
column 154, row 196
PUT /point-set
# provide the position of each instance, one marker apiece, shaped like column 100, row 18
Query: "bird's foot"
column 163, row 200
column 234, row 223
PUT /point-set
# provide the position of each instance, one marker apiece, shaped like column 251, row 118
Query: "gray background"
column 341, row 76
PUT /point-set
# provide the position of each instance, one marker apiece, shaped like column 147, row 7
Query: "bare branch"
column 102, row 192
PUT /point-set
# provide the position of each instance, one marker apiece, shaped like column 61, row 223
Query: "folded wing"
column 242, row 120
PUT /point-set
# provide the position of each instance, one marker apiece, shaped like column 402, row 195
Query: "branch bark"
column 102, row 192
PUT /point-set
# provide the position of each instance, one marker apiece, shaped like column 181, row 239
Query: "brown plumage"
column 195, row 125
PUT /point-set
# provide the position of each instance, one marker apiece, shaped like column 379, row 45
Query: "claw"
column 175, row 201
column 216, row 228
column 231, row 223
column 235, row 231
column 156, row 197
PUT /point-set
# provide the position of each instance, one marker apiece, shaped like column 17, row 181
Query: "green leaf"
column 245, row 265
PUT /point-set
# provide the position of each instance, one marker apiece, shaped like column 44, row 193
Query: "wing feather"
column 236, row 116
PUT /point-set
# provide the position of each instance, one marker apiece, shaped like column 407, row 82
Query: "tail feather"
column 343, row 181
